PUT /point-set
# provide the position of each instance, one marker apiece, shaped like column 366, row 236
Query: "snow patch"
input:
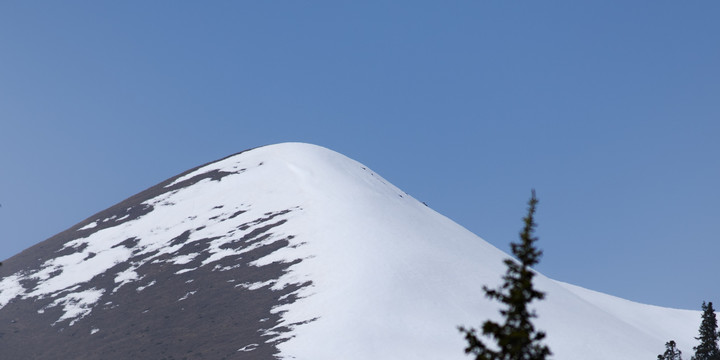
column 89, row 226
column 183, row 259
column 184, row 271
column 126, row 277
column 255, row 286
column 10, row 288
column 249, row 347
column 77, row 305
column 187, row 295
column 141, row 288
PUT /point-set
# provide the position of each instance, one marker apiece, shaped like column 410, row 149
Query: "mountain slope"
column 292, row 251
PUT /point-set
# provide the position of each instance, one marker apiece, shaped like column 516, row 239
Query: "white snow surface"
column 391, row 278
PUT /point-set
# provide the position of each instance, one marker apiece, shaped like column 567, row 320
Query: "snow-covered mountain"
column 290, row 251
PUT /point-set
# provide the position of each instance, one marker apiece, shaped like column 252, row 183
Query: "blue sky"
column 609, row 109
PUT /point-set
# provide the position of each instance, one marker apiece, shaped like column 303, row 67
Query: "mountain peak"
column 291, row 251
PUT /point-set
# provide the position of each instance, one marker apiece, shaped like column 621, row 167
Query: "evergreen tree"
column 708, row 347
column 516, row 338
column 671, row 352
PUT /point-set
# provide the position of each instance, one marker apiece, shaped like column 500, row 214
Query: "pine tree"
column 708, row 347
column 671, row 352
column 516, row 338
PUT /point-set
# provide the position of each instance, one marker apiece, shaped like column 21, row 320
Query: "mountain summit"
column 288, row 251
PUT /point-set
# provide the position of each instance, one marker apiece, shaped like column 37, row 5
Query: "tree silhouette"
column 516, row 338
column 708, row 347
column 671, row 352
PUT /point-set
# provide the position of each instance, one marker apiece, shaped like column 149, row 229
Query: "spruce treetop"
column 516, row 338
column 708, row 335
column 671, row 352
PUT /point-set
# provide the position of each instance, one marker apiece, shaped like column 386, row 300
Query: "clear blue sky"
column 610, row 109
